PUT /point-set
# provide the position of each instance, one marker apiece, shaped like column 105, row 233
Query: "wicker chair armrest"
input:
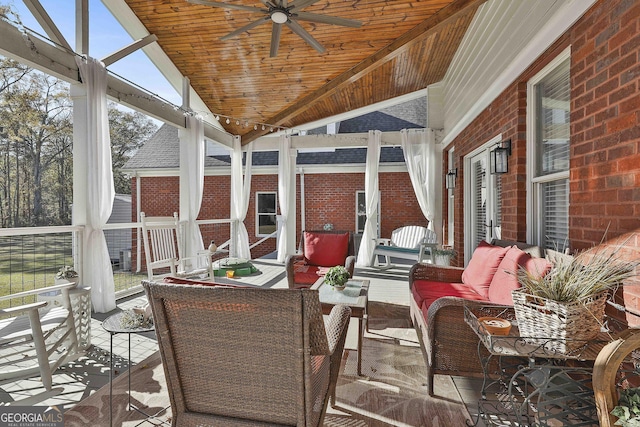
column 435, row 273
column 336, row 326
column 289, row 263
column 350, row 264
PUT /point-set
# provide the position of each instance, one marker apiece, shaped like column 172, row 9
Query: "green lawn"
column 31, row 262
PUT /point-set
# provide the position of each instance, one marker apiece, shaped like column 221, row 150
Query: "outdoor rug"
column 391, row 392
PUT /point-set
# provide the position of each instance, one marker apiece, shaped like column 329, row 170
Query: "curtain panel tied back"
column 418, row 146
column 97, row 271
column 371, row 190
column 240, row 193
column 192, row 183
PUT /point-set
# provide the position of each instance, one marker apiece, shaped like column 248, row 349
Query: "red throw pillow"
column 184, row 281
column 505, row 280
column 482, row 266
column 325, row 249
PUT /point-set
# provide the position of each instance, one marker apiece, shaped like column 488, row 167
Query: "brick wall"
column 605, row 135
column 330, row 198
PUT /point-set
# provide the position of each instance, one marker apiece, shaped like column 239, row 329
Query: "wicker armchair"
column 246, row 356
column 318, row 251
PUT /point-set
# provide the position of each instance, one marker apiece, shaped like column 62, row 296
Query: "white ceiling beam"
column 39, row 55
column 82, row 27
column 132, row 25
column 47, row 23
column 127, row 50
column 54, row 61
column 344, row 140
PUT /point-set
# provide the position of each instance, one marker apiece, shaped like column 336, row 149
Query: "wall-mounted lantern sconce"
column 451, row 178
column 498, row 158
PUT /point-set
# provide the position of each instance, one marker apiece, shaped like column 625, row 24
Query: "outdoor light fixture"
column 498, row 158
column 451, row 178
column 279, row 17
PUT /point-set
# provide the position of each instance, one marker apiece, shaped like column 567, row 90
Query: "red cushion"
column 505, row 280
column 425, row 292
column 183, row 281
column 325, row 249
column 307, row 274
column 482, row 266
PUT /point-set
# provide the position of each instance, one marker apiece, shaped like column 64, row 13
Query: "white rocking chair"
column 163, row 249
column 37, row 340
column 411, row 242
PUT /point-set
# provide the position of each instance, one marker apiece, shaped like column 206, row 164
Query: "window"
column 361, row 212
column 548, row 136
column 451, row 201
column 266, row 208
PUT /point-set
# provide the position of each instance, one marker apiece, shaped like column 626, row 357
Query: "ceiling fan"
column 281, row 12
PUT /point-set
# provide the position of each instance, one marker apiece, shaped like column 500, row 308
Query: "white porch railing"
column 31, row 256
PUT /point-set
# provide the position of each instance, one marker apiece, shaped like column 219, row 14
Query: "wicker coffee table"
column 356, row 296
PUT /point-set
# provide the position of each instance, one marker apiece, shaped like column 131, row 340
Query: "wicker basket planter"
column 561, row 327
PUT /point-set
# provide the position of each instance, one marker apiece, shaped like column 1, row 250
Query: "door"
column 483, row 197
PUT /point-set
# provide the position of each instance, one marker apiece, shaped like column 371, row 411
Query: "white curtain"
column 419, row 150
column 191, row 183
column 371, row 190
column 240, row 192
column 100, row 188
column 286, row 196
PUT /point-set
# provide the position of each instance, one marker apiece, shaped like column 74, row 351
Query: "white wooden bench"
column 411, row 242
column 47, row 330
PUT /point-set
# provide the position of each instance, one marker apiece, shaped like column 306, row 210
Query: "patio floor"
column 88, row 374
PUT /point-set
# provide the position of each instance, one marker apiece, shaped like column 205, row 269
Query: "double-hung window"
column 548, row 135
column 266, row 209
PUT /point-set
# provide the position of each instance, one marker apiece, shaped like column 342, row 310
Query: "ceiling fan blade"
column 275, row 39
column 227, row 5
column 245, row 28
column 325, row 19
column 300, row 4
column 296, row 28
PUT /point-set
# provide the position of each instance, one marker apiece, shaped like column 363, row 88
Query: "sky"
column 105, row 37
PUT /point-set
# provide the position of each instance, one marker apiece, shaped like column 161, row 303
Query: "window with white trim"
column 361, row 212
column 266, row 208
column 548, row 115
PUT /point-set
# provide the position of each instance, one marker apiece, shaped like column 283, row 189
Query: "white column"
column 80, row 160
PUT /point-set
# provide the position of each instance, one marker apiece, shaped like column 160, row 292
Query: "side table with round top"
column 113, row 325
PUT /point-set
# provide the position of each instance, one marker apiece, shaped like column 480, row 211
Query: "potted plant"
column 566, row 305
column 337, row 277
column 66, row 274
column 628, row 408
column 443, row 256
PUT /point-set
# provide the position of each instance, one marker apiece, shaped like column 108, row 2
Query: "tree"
column 128, row 131
column 36, row 141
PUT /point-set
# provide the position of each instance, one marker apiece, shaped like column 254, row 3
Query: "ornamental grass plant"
column 584, row 275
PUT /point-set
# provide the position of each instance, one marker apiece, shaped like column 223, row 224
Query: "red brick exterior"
column 605, row 135
column 329, row 198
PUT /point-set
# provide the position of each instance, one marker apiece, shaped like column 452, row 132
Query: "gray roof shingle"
column 162, row 150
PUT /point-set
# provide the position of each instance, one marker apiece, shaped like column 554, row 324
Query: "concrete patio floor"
column 89, row 373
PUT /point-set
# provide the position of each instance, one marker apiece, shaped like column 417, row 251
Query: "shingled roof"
column 162, row 150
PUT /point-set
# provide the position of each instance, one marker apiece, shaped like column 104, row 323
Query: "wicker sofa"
column 438, row 295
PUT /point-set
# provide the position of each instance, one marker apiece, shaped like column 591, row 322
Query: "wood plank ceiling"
column 402, row 46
